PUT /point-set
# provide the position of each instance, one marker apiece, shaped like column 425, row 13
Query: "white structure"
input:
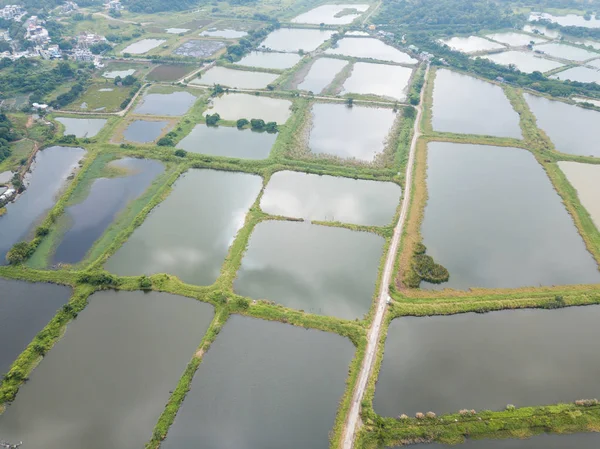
column 12, row 12
column 83, row 55
column 84, row 40
column 68, row 7
column 114, row 5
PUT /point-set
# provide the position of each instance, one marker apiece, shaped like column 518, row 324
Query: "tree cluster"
column 7, row 135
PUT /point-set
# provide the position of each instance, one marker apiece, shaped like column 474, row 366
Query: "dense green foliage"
column 151, row 6
column 575, row 31
column 6, row 135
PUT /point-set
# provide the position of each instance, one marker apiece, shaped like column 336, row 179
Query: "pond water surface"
column 505, row 215
column 515, row 39
column 577, row 133
column 237, row 106
column 542, row 31
column 270, row 60
column 563, row 51
column 327, row 14
column 321, row 74
column 87, row 391
column 243, row 79
column 82, row 127
column 87, row 221
column 472, row 44
column 227, row 34
column 486, row 361
column 229, row 142
column 292, row 382
column 361, row 47
column 143, row 46
column 390, row 81
column 114, row 73
column 319, row 269
column 567, row 20
column 579, row 441
column 484, row 109
column 188, row 235
column 50, row 171
column 175, row 103
column 524, row 61
column 331, row 198
column 366, row 130
column 144, row 131
column 197, row 48
column 25, row 309
column 295, row 39
column 177, row 30
column 586, row 179
column 579, row 73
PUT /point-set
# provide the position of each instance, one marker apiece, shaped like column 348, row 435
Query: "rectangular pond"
column 527, row 62
column 169, row 72
column 49, row 175
column 188, row 234
column 503, row 225
column 295, row 39
column 143, row 46
column 576, row 133
column 366, row 130
column 228, row 142
column 542, row 31
column 580, row 74
column 330, row 198
column 108, row 379
column 270, row 60
column 544, row 441
column 340, row 14
column 112, row 74
column 261, row 384
column 321, row 74
column 514, row 39
column 467, row 105
column 225, row 33
column 144, row 131
column 388, row 81
column 361, row 47
column 243, row 79
column 586, row 180
column 173, row 104
column 237, row 106
column 85, row 222
column 472, row 44
column 82, row 127
column 563, row 51
column 319, row 269
column 486, row 361
column 568, row 19
column 25, row 309
column 197, row 48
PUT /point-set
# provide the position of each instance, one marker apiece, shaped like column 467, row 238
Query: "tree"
column 65, row 70
column 349, row 102
column 166, row 142
column 257, row 124
column 211, row 120
column 180, row 153
column 19, row 253
column 241, row 123
column 271, row 127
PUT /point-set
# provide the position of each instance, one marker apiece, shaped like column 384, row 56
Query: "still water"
column 331, row 14
column 295, row 39
column 144, row 131
column 143, row 46
column 188, row 235
column 228, row 142
column 484, row 109
column 566, row 52
column 330, row 198
column 388, row 81
column 360, row 47
column 176, row 103
column 472, row 44
column 586, row 180
column 264, row 385
column 243, row 79
column 25, row 309
column 579, row 73
column 321, row 74
column 513, row 39
column 106, row 382
column 503, row 224
column 318, row 269
column 237, row 106
column 87, row 221
column 81, row 127
column 524, row 61
column 486, row 361
column 49, row 175
column 270, row 60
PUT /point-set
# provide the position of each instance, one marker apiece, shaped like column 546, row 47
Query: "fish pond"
column 87, row 393
column 173, row 104
column 237, row 106
column 121, row 73
column 542, row 31
column 331, row 198
column 263, row 383
column 580, row 441
column 180, row 238
column 169, row 72
column 580, row 74
column 25, row 309
column 513, row 39
column 568, row 20
column 586, row 180
column 243, row 79
column 576, row 135
column 226, row 33
column 82, row 127
column 474, row 220
column 49, row 175
column 568, row 52
column 270, row 60
column 143, row 46
column 319, row 269
column 321, row 74
column 388, row 81
column 197, row 48
column 85, row 222
column 144, row 131
column 472, row 44
column 365, row 135
column 295, row 39
column 524, row 61
column 486, row 361
column 228, row 142
column 484, row 109
column 341, row 14
column 360, row 47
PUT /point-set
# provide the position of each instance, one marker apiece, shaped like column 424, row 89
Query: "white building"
column 12, row 12
column 83, row 55
column 114, row 5
column 87, row 39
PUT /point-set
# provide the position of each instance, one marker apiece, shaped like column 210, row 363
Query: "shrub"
column 98, row 279
column 241, row 123
column 430, row 415
column 42, row 231
column 166, row 142
column 241, row 303
column 586, row 402
column 219, row 297
column 211, row 120
column 257, row 124
column 19, row 253
column 425, row 267
column 402, row 417
column 180, row 153
column 271, row 127
column 419, row 415
column 510, row 408
column 145, row 283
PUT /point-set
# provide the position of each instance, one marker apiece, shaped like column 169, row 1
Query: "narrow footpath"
column 353, row 421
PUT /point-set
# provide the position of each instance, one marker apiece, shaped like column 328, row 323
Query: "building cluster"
column 68, row 7
column 113, row 5
column 35, row 31
column 12, row 12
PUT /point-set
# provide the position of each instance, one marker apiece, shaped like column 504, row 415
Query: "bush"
column 212, row 120
column 419, row 415
column 219, row 297
column 166, row 142
column 145, row 283
column 241, row 123
column 425, row 267
column 271, row 127
column 98, row 279
column 180, row 153
column 257, row 124
column 19, row 253
column 586, row 402
column 42, row 231
column 241, row 303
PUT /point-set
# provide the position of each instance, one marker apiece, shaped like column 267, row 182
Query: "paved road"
column 353, row 421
